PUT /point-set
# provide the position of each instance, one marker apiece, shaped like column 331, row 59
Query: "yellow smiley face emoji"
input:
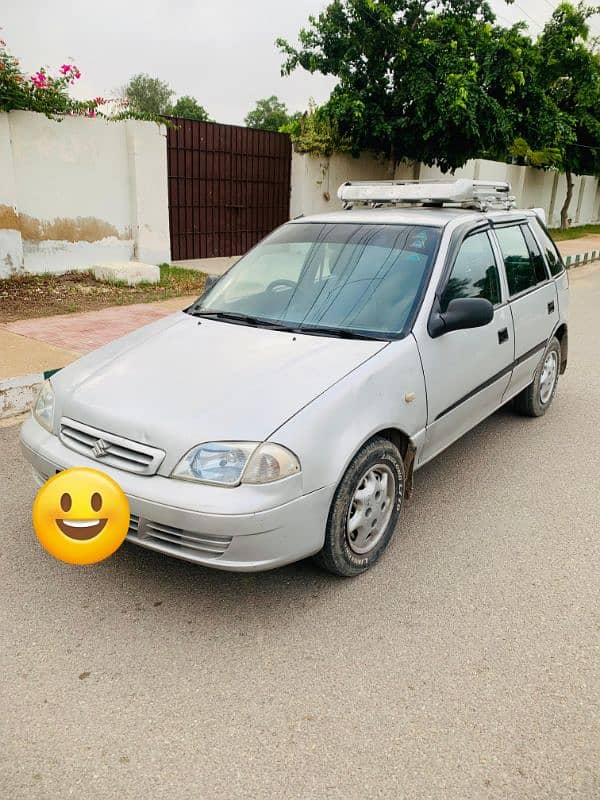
column 81, row 516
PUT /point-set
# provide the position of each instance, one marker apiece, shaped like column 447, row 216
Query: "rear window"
column 520, row 269
column 553, row 257
column 537, row 259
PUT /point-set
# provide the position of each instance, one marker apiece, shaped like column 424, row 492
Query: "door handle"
column 551, row 307
column 503, row 336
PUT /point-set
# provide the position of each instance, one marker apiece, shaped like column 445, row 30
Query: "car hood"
column 184, row 381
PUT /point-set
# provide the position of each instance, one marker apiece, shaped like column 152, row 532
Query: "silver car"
column 284, row 414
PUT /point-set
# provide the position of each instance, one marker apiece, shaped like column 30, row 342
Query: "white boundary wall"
column 80, row 192
column 315, row 182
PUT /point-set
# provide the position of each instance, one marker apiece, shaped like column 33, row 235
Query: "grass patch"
column 574, row 233
column 26, row 296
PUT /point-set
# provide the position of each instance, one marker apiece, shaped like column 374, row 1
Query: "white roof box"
column 477, row 194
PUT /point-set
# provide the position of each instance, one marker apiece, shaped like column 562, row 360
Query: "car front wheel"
column 365, row 510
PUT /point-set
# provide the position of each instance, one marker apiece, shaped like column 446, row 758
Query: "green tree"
column 427, row 81
column 189, row 108
column 569, row 73
column 316, row 132
column 148, row 95
column 269, row 114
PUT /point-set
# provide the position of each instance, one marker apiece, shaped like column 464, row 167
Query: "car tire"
column 537, row 398
column 364, row 511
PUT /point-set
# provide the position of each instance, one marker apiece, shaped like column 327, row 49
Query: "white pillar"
column 596, row 215
column 11, row 243
column 147, row 151
column 580, row 199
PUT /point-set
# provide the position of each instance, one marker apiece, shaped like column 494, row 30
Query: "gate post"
column 148, row 191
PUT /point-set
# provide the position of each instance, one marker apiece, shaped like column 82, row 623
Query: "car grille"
column 107, row 448
column 176, row 541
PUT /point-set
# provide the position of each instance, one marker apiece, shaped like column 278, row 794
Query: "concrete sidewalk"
column 22, row 355
column 573, row 247
column 580, row 251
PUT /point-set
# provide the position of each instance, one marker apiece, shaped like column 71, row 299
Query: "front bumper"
column 242, row 542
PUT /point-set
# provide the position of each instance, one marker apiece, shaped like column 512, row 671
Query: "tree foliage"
column 570, row 76
column 317, row 132
column 441, row 82
column 148, row 95
column 269, row 114
column 189, row 108
column 429, row 81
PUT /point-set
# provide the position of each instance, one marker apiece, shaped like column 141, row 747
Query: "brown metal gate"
column 228, row 187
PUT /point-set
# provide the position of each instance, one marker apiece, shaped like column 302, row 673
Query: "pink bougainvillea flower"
column 100, row 101
column 40, row 81
column 91, row 112
column 70, row 71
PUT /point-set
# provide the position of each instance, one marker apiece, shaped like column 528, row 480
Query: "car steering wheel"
column 281, row 284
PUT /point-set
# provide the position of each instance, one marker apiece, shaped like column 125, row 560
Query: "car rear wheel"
column 365, row 510
column 537, row 398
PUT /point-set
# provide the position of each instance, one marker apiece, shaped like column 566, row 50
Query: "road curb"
column 581, row 259
column 17, row 394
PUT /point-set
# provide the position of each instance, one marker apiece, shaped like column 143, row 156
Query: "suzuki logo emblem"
column 100, row 449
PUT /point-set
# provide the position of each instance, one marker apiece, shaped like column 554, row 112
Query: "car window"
column 520, row 269
column 474, row 273
column 552, row 255
column 541, row 273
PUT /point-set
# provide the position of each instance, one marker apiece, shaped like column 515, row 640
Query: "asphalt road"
column 464, row 666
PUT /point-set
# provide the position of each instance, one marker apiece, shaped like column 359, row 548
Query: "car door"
column 466, row 371
column 533, row 300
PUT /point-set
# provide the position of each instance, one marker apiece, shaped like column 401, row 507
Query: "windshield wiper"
column 341, row 333
column 242, row 319
column 313, row 330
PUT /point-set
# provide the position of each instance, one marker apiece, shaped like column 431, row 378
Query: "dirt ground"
column 29, row 296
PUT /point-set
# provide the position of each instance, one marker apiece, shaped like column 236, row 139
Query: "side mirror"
column 462, row 314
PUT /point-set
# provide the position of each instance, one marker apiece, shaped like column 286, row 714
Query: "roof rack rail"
column 478, row 195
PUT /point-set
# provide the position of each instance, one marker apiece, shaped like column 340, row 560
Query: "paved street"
column 464, row 667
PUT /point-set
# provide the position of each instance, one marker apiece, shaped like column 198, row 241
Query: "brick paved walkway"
column 92, row 329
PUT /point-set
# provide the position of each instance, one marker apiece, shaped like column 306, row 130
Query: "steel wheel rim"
column 370, row 509
column 548, row 377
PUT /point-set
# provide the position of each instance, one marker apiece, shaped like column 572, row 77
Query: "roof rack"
column 479, row 195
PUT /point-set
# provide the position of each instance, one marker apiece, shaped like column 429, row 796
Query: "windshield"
column 362, row 279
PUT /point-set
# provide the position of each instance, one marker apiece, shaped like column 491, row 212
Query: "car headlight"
column 43, row 408
column 232, row 463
